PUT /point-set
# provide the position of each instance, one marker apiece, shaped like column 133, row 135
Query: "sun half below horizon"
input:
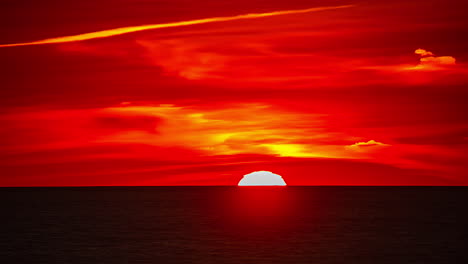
column 262, row 178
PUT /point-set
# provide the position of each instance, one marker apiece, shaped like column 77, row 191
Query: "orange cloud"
column 359, row 146
column 423, row 52
column 232, row 130
column 186, row 59
column 431, row 69
column 429, row 61
column 126, row 30
column 443, row 60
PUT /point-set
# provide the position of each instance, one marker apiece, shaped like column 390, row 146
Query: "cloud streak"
column 132, row 29
column 370, row 143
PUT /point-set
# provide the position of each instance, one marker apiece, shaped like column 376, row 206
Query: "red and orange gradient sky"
column 202, row 92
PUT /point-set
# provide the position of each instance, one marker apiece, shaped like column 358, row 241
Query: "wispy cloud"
column 369, row 144
column 126, row 30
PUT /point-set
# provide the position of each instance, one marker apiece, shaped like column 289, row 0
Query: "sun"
column 262, row 178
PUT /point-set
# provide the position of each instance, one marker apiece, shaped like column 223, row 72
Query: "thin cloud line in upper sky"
column 126, row 30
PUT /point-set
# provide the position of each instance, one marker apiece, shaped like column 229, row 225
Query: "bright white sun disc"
column 262, row 178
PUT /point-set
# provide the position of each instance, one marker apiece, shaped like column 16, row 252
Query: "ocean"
column 233, row 225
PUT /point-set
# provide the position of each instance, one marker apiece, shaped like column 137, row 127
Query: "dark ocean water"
column 233, row 225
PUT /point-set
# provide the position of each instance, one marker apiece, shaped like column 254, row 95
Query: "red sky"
column 362, row 93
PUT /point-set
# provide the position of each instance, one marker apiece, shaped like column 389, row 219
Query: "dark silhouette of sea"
column 233, row 225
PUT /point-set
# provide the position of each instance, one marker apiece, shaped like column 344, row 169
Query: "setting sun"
column 262, row 178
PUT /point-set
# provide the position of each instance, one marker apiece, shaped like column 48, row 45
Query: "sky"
column 185, row 92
